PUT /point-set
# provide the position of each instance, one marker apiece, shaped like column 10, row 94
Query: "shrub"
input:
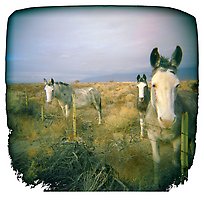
column 72, row 167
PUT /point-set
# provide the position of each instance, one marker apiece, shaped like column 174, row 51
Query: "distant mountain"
column 188, row 73
column 183, row 74
column 112, row 77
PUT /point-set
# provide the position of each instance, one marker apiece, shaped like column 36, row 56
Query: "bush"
column 72, row 167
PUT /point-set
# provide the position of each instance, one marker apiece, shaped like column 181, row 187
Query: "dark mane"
column 142, row 80
column 165, row 64
column 62, row 83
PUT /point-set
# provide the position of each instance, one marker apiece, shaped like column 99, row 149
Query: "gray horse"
column 163, row 116
column 63, row 93
column 142, row 100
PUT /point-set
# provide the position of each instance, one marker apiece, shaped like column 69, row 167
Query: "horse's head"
column 142, row 86
column 49, row 88
column 164, row 86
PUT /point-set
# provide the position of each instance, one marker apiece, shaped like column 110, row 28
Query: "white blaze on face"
column 141, row 86
column 48, row 90
column 163, row 95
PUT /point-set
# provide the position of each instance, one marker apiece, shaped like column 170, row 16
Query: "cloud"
column 95, row 41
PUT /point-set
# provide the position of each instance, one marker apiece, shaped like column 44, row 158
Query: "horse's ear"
column 45, row 81
column 144, row 77
column 176, row 57
column 52, row 81
column 155, row 58
column 138, row 78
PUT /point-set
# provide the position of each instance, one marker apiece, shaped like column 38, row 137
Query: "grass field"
column 107, row 157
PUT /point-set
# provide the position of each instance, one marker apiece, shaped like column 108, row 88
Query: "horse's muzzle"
column 167, row 123
column 141, row 99
column 48, row 102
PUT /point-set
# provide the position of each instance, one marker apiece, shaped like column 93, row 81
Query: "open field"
column 106, row 157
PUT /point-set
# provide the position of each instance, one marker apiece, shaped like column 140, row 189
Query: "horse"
column 142, row 100
column 164, row 112
column 63, row 92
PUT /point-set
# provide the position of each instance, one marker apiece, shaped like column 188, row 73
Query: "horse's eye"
column 154, row 85
column 177, row 86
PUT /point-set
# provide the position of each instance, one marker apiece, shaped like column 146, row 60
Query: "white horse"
column 163, row 116
column 63, row 93
column 142, row 100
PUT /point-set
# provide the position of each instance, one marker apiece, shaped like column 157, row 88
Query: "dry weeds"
column 115, row 142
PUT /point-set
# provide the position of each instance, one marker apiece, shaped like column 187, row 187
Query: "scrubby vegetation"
column 107, row 157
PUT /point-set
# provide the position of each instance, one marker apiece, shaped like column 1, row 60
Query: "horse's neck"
column 142, row 106
column 147, row 99
column 188, row 100
column 151, row 115
column 60, row 90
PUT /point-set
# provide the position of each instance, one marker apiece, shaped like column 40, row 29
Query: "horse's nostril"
column 48, row 101
column 174, row 120
column 161, row 119
column 141, row 99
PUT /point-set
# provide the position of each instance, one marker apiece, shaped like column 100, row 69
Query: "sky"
column 81, row 43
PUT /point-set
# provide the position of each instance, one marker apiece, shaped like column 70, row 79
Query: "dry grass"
column 116, row 142
column 120, row 119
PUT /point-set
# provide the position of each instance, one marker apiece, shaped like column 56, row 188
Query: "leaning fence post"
column 42, row 107
column 184, row 147
column 74, row 114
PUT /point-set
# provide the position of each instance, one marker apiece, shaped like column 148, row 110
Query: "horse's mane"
column 165, row 64
column 62, row 83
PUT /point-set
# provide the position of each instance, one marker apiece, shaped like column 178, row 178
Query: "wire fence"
column 184, row 153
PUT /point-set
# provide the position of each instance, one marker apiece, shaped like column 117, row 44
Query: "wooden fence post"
column 42, row 107
column 74, row 115
column 26, row 99
column 184, row 147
